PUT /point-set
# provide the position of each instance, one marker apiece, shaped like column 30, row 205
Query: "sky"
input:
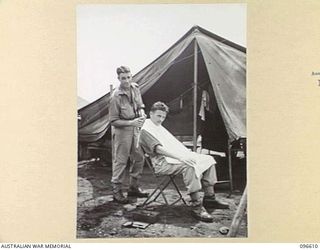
column 111, row 35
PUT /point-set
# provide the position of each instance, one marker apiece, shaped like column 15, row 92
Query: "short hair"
column 159, row 106
column 123, row 69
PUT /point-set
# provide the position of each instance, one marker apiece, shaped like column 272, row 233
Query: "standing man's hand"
column 138, row 122
column 142, row 113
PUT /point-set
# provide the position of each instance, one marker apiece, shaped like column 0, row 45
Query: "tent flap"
column 227, row 71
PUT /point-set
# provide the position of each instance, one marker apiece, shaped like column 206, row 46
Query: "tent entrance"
column 175, row 88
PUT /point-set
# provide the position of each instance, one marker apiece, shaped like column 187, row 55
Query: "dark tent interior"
column 176, row 90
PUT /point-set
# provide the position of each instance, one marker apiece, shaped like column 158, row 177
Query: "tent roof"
column 224, row 62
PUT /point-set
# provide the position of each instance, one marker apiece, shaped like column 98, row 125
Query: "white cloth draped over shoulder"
column 168, row 141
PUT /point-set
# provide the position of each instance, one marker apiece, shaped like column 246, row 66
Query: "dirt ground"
column 99, row 217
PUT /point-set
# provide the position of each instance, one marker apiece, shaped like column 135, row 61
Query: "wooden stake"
column 238, row 216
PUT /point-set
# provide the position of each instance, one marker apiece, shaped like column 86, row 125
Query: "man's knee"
column 189, row 171
column 121, row 154
column 191, row 180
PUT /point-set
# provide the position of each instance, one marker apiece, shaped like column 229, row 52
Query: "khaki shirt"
column 124, row 107
column 149, row 143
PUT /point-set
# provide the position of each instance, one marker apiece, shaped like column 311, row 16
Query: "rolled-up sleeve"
column 114, row 109
column 148, row 142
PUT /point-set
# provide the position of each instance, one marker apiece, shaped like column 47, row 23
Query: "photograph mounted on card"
column 161, row 120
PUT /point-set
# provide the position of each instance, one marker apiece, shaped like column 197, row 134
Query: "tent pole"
column 195, row 83
column 112, row 150
column 230, row 165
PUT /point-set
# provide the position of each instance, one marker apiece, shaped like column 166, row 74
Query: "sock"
column 116, row 187
column 133, row 183
column 209, row 192
column 195, row 197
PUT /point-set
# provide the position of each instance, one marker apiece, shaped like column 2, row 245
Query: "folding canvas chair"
column 163, row 181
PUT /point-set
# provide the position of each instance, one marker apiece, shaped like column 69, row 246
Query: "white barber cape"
column 203, row 162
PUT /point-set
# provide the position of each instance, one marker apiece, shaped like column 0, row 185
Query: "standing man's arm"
column 115, row 119
column 137, row 122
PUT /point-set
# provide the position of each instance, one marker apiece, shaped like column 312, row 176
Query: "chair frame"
column 161, row 186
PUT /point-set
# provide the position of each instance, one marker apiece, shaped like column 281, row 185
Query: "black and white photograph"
column 162, row 136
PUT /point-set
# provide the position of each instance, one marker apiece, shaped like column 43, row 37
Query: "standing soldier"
column 126, row 116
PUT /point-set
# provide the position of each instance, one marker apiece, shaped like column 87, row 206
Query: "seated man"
column 169, row 156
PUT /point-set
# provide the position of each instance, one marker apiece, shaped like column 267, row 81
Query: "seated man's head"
column 158, row 113
column 124, row 76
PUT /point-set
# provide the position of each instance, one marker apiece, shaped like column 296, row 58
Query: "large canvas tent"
column 200, row 67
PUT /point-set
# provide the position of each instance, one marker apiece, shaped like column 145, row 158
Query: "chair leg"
column 176, row 187
column 158, row 188
column 147, row 201
column 171, row 179
column 165, row 199
column 161, row 191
